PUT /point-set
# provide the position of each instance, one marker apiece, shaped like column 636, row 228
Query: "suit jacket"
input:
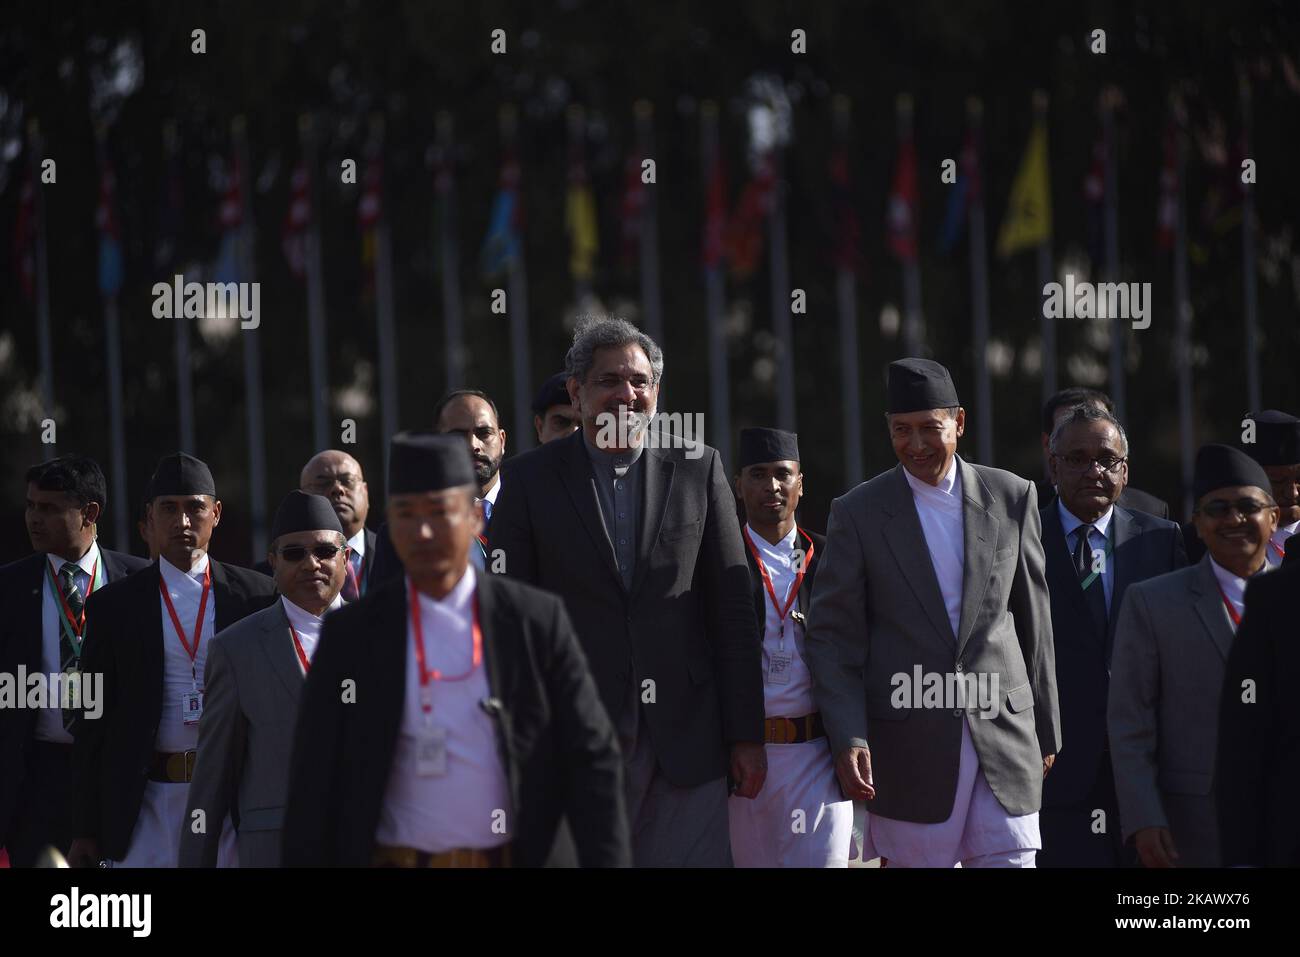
column 252, row 684
column 124, row 642
column 804, row 600
column 1136, row 500
column 1192, row 542
column 1171, row 645
column 1259, row 742
column 687, row 623
column 1143, row 547
column 878, row 612
column 22, row 596
column 556, row 743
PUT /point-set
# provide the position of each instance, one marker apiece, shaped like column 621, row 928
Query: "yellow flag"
column 1028, row 221
column 580, row 223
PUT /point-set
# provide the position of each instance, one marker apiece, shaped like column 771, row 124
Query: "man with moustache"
column 255, row 673
column 149, row 636
column 41, row 630
column 1095, row 549
column 449, row 719
column 800, row 819
column 337, row 476
column 1167, row 671
column 936, row 567
column 642, row 544
column 554, row 416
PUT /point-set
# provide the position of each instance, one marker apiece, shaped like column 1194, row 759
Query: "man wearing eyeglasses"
column 1171, row 643
column 255, row 674
column 1095, row 549
column 337, row 476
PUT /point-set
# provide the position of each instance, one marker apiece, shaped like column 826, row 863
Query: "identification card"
column 191, row 707
column 778, row 667
column 431, row 752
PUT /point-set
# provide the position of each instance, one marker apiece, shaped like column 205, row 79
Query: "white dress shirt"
column 793, row 699
column 49, row 721
column 1097, row 539
column 306, row 625
column 185, row 588
column 490, row 499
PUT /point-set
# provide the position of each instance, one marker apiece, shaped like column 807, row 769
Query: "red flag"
column 1167, row 207
column 902, row 204
column 293, row 234
column 745, row 231
column 25, row 238
column 713, row 247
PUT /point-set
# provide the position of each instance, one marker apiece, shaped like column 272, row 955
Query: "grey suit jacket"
column 1171, row 648
column 250, row 708
column 878, row 612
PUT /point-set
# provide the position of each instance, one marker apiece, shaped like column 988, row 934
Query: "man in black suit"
column 449, row 719
column 43, row 597
column 1258, row 770
column 1133, row 499
column 148, row 635
column 641, row 541
column 1085, row 529
column 337, row 476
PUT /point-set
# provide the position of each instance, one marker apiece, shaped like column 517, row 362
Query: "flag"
column 580, row 223
column 502, row 244
column 964, row 194
column 902, row 204
column 230, row 217
column 633, row 209
column 713, row 246
column 369, row 209
column 293, row 234
column 847, row 229
column 1167, row 205
column 110, row 235
column 1094, row 195
column 744, row 242
column 25, row 237
column 1028, row 221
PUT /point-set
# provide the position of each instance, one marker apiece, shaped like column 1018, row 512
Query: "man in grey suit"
column 255, row 675
column 930, row 644
column 1171, row 648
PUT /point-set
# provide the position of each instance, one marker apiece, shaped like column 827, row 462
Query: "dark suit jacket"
column 1136, row 500
column 22, row 594
column 1258, row 773
column 687, row 623
column 804, row 600
column 367, row 560
column 124, row 642
column 1144, row 547
column 555, row 740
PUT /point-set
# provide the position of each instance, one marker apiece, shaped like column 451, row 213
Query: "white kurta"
column 1277, row 543
column 979, row 829
column 155, row 842
column 307, row 626
column 799, row 819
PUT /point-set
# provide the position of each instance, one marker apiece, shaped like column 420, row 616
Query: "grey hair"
column 1088, row 413
column 600, row 332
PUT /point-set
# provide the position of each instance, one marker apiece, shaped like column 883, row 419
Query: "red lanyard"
column 767, row 579
column 1281, row 552
column 427, row 675
column 78, row 623
column 302, row 655
column 1232, row 612
column 198, row 622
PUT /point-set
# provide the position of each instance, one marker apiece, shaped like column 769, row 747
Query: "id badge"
column 431, row 752
column 191, row 707
column 778, row 667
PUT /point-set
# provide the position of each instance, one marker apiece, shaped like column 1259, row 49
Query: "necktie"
column 352, row 579
column 1094, row 593
column 487, row 513
column 68, row 656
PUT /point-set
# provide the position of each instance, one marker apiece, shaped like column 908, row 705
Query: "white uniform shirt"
column 49, row 721
column 306, row 625
column 185, row 589
column 795, row 698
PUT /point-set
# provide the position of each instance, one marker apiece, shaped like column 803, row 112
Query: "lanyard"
column 73, row 626
column 1281, row 552
column 1232, row 612
column 433, row 674
column 767, row 579
column 302, row 655
column 198, row 621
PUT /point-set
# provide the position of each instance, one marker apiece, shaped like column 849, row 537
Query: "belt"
column 173, row 767
column 807, row 727
column 388, row 856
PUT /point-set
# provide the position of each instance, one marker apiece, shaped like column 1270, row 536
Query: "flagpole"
column 1044, row 263
column 316, row 320
column 847, row 304
column 1248, row 272
column 184, row 369
column 35, row 147
column 913, row 323
column 651, row 304
column 1117, row 327
column 517, row 285
column 979, row 283
column 384, row 318
column 1183, row 307
column 252, row 348
column 113, row 355
column 453, row 324
column 779, row 267
column 714, row 290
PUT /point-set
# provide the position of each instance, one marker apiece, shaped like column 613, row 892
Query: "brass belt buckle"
column 189, row 760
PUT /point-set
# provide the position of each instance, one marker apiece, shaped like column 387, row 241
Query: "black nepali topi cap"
column 428, row 462
column 767, row 445
column 1222, row 466
column 301, row 512
column 553, row 392
column 1277, row 438
column 181, row 474
column 919, row 384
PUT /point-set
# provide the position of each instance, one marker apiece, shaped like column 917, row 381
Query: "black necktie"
column 1094, row 591
column 68, row 655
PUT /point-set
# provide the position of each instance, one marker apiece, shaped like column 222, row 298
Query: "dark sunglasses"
column 296, row 553
column 1220, row 507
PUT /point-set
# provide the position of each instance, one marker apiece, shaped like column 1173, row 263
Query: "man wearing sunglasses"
column 255, row 675
column 149, row 635
column 1167, row 671
column 1095, row 549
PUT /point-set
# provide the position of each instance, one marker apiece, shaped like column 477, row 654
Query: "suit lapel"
column 1208, row 603
column 152, row 636
column 388, row 641
column 33, row 610
column 580, row 484
column 756, row 587
column 224, row 598
column 980, row 539
column 501, row 658
column 277, row 645
column 1123, row 533
column 902, row 531
column 658, row 486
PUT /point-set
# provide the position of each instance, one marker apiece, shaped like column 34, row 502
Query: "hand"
column 1048, row 761
column 853, row 768
column 1155, row 847
column 748, row 768
column 84, row 852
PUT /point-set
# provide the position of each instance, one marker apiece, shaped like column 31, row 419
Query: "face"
column 337, row 476
column 432, row 531
column 309, row 580
column 925, row 442
column 57, row 524
column 1234, row 539
column 619, row 384
column 183, row 524
column 1285, row 480
column 1086, row 488
column 472, row 418
column 770, row 491
column 559, row 421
